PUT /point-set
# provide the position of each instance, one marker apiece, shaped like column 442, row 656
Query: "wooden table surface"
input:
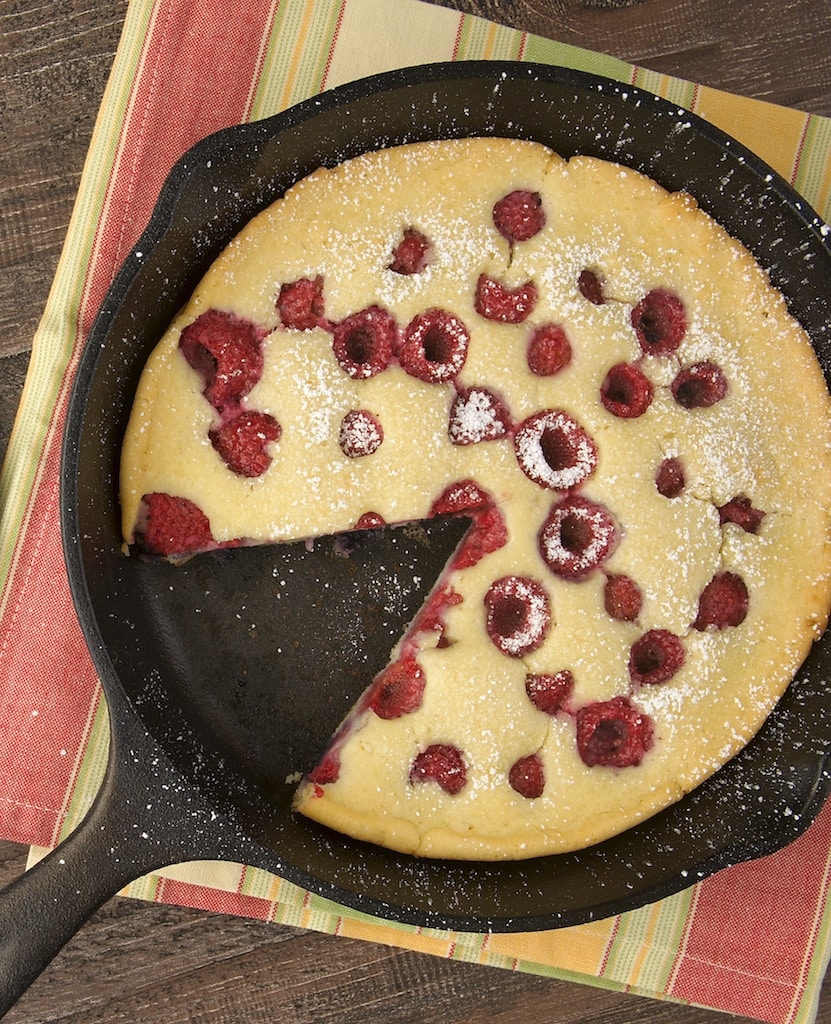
column 159, row 965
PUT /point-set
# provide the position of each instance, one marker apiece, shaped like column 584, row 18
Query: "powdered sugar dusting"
column 554, row 450
column 360, row 434
column 518, row 615
column 477, row 415
column 577, row 537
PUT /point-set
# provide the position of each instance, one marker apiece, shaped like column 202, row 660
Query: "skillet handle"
column 45, row 907
column 127, row 833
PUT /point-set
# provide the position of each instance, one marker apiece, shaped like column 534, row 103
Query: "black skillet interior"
column 240, row 664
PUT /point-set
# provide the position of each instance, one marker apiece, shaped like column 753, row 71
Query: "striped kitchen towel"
column 753, row 939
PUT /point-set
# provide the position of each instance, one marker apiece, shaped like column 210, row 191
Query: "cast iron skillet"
column 225, row 676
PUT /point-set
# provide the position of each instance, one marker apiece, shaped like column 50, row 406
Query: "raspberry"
column 739, row 510
column 517, row 615
column 463, row 496
column 478, row 414
column 549, row 350
column 549, row 693
column 300, row 304
column 434, row 348
column 554, row 451
column 430, row 618
column 655, row 657
column 242, row 442
column 226, row 351
column 590, row 284
column 622, row 598
column 412, row 254
column 577, row 537
column 398, row 690
column 173, row 526
column 360, row 434
column 364, row 342
column 326, row 772
column 613, row 733
column 495, row 301
column 519, row 215
column 370, row 521
column 723, row 602
column 670, row 478
column 626, row 391
column 660, row 322
column 527, row 776
column 699, row 386
column 443, row 764
column 488, row 532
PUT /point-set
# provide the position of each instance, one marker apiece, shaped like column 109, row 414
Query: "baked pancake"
column 605, row 383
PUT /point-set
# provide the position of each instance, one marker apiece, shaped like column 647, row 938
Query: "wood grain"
column 154, row 964
column 778, row 51
column 54, row 66
column 162, row 965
